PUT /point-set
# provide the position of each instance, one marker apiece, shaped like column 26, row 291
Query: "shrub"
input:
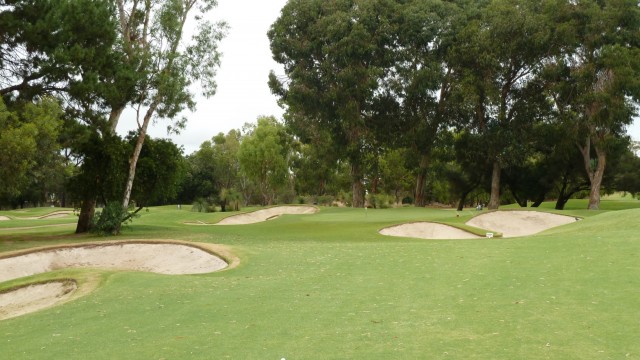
column 203, row 205
column 110, row 220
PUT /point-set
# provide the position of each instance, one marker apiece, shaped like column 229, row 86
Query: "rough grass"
column 329, row 286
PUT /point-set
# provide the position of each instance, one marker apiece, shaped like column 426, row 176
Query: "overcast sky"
column 243, row 93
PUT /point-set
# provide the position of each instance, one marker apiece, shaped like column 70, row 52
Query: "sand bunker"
column 35, row 297
column 56, row 215
column 4, row 218
column 164, row 258
column 427, row 230
column 157, row 257
column 266, row 214
column 53, row 215
column 519, row 223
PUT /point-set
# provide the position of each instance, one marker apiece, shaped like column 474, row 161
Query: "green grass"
column 328, row 286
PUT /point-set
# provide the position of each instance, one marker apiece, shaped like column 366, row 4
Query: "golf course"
column 327, row 285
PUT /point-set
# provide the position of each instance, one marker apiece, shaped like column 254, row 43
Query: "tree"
column 264, row 157
column 423, row 78
column 334, row 54
column 159, row 174
column 28, row 145
column 154, row 35
column 53, row 46
column 395, row 176
column 501, row 53
column 227, row 166
column 597, row 79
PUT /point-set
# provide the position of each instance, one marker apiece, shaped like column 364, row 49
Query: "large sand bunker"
column 427, row 230
column 162, row 258
column 519, row 223
column 266, row 214
column 157, row 257
column 4, row 218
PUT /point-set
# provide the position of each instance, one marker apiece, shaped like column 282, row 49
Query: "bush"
column 379, row 201
column 326, row 200
column 110, row 220
column 203, row 205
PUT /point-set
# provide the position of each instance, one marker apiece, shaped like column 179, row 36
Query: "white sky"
column 243, row 93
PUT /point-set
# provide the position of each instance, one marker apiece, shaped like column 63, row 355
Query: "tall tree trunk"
column 356, row 186
column 87, row 211
column 595, row 173
column 421, row 181
column 494, row 201
column 133, row 161
column 596, row 182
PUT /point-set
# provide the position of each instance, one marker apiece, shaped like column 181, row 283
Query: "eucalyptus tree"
column 153, row 33
column 335, row 54
column 501, row 54
column 423, row 78
column 597, row 79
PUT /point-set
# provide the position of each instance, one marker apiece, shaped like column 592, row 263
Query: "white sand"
column 163, row 258
column 56, row 215
column 4, row 218
column 266, row 214
column 427, row 230
column 519, row 223
column 34, row 297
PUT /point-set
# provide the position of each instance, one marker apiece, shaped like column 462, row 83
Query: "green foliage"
column 159, row 172
column 29, row 147
column 56, row 45
column 380, row 201
column 231, row 198
column 110, row 219
column 205, row 205
column 264, row 157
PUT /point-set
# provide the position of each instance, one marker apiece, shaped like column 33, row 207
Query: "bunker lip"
column 267, row 214
column 513, row 223
column 189, row 258
column 428, row 230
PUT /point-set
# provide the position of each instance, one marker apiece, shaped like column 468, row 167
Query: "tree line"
column 387, row 102
column 529, row 90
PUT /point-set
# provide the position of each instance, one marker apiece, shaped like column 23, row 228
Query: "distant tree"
column 264, row 157
column 627, row 176
column 227, row 167
column 28, row 147
column 200, row 176
column 396, row 179
column 159, row 174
